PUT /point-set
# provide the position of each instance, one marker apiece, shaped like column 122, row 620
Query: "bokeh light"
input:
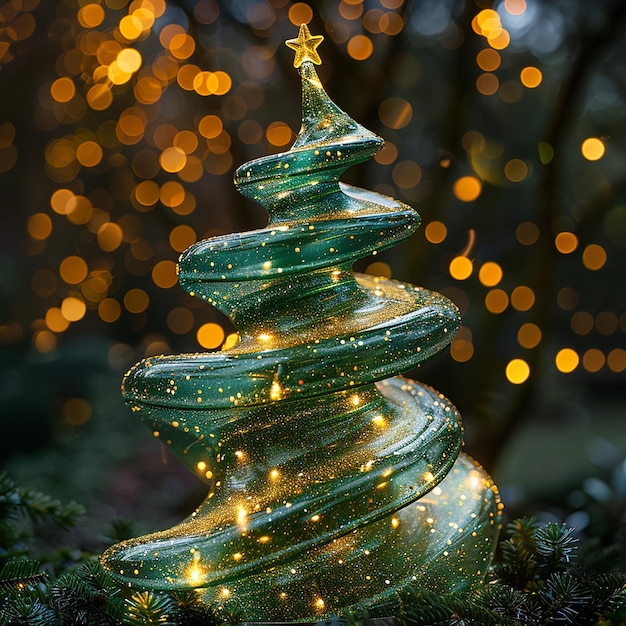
column 566, row 360
column 531, row 77
column 210, row 335
column 461, row 268
column 467, row 188
column 517, row 371
column 593, row 148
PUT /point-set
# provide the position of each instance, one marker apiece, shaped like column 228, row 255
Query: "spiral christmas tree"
column 332, row 481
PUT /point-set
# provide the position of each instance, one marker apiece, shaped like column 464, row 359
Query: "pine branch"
column 120, row 529
column 556, row 545
column 145, row 608
column 16, row 501
column 192, row 611
column 24, row 611
column 421, row 607
column 519, row 563
column 77, row 603
column 565, row 597
column 20, row 574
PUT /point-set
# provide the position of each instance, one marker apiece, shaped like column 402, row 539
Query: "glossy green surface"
column 330, row 482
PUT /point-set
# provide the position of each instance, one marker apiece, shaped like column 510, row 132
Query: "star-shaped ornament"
column 305, row 46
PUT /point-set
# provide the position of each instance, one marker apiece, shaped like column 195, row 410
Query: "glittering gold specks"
column 323, row 467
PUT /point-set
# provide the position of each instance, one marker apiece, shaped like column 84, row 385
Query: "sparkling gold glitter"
column 332, row 482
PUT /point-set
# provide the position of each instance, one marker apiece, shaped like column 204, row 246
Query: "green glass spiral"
column 332, row 481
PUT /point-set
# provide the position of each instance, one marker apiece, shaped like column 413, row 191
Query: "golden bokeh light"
column 73, row 308
column 462, row 348
column 193, row 170
column 222, row 143
column 371, row 21
column 461, row 268
column 39, row 226
column 181, row 46
column 517, row 371
column 148, row 90
column 131, row 27
column 395, row 113
column 207, row 83
column 147, row 193
column 210, row 335
column 109, row 310
column 350, row 11
column 181, row 237
column 73, row 270
column 487, row 84
column 490, row 274
column 180, row 320
column 278, row 134
column 172, row 193
column 91, row 15
column 566, row 242
column 76, row 411
column 129, row 60
column 566, row 360
column 44, row 341
column 109, row 236
column 186, row 75
column 379, row 268
column 300, row 13
column 516, row 170
column 173, row 159
column 360, row 47
column 55, row 321
column 63, row 89
column 485, row 21
column 606, row 322
column 593, row 148
column 231, row 341
column 529, row 335
column 186, row 140
column 594, row 257
column 387, row 155
column 390, row 23
column 164, row 274
column 99, row 97
column 488, row 60
column 210, row 126
column 582, row 322
column 467, row 188
column 616, row 360
column 499, row 39
column 593, row 360
column 136, row 300
column 89, row 153
column 531, row 77
column 436, row 232
column 522, row 298
column 496, row 301
column 406, row 174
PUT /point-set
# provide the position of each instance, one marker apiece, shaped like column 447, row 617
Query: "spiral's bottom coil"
column 444, row 542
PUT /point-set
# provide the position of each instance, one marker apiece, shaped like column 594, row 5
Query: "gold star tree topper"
column 305, row 46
